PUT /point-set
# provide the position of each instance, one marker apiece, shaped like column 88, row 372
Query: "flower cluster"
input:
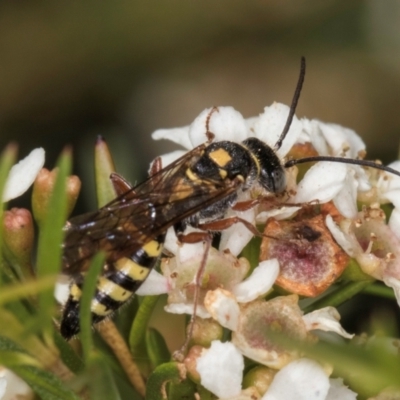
column 310, row 234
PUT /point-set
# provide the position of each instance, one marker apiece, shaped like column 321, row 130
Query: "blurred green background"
column 72, row 70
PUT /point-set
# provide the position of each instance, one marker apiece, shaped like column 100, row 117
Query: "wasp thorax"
column 271, row 174
column 224, row 160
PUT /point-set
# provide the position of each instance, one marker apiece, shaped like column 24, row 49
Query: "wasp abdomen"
column 114, row 288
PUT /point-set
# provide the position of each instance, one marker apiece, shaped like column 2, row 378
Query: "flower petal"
column 236, row 237
column 301, row 380
column 225, row 123
column 14, row 387
column 283, row 212
column 61, row 289
column 270, row 125
column 322, row 182
column 258, row 283
column 169, row 158
column 183, row 308
column 223, row 307
column 346, row 200
column 338, row 391
column 23, row 174
column 395, row 285
column 177, row 135
column 154, row 284
column 3, row 387
column 325, row 319
column 394, row 222
column 344, row 240
column 220, row 368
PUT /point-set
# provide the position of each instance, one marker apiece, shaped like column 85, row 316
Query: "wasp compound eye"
column 271, row 174
column 276, row 181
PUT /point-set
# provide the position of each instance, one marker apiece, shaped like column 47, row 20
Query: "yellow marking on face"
column 222, row 173
column 75, row 292
column 221, row 157
column 113, row 290
column 152, row 248
column 100, row 309
column 132, row 269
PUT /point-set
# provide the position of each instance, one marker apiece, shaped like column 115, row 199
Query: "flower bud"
column 205, row 331
column 43, row 188
column 260, row 377
column 18, row 238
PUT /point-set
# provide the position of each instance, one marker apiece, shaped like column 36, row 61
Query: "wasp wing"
column 146, row 211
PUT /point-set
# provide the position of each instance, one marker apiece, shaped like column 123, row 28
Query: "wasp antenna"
column 209, row 134
column 363, row 163
column 293, row 106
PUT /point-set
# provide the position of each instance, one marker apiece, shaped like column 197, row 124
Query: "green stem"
column 338, row 296
column 378, row 289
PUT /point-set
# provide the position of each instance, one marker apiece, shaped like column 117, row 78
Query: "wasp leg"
column 121, row 185
column 226, row 223
column 179, row 355
column 246, row 205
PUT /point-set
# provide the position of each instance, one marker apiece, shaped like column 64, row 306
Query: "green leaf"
column 85, row 313
column 368, row 367
column 44, row 384
column 22, row 290
column 6, row 161
column 137, row 342
column 50, row 240
column 172, row 373
column 17, row 358
column 102, row 384
column 157, row 349
column 103, row 167
column 67, row 354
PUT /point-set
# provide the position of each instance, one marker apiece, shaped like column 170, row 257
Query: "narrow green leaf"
column 68, row 355
column 102, row 383
column 50, row 240
column 22, row 290
column 166, row 373
column 137, row 334
column 85, row 314
column 157, row 349
column 17, row 358
column 369, row 367
column 7, row 159
column 103, row 167
column 44, row 384
column 18, row 332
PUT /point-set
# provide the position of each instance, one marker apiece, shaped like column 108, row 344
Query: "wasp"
column 196, row 190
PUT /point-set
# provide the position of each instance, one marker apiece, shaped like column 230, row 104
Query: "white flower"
column 327, row 181
column 302, row 379
column 221, row 366
column 23, row 174
column 13, row 387
column 325, row 319
column 221, row 369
